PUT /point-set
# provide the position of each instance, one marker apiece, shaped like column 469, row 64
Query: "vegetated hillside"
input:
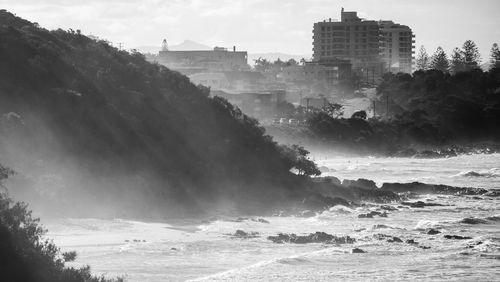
column 88, row 124
column 464, row 106
column 427, row 110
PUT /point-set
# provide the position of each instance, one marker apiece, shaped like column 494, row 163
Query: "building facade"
column 363, row 43
column 397, row 47
column 218, row 59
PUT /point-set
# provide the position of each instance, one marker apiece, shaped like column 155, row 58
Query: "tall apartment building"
column 397, row 47
column 363, row 42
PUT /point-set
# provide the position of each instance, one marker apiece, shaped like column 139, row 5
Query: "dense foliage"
column 427, row 108
column 69, row 100
column 25, row 255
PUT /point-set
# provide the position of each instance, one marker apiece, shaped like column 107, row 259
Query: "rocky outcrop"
column 318, row 237
column 372, row 214
column 422, row 188
column 244, row 235
column 420, row 204
column 457, row 237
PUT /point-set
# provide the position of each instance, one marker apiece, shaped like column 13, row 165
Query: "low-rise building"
column 218, row 59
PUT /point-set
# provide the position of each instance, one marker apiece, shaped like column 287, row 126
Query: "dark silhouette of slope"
column 139, row 135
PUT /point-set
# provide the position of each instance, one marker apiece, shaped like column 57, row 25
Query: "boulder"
column 357, row 251
column 457, row 237
column 245, row 235
column 433, row 232
column 395, row 240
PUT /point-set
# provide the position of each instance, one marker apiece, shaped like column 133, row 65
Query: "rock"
column 381, row 236
column 331, row 180
column 424, row 247
column 388, row 208
column 411, row 241
column 174, row 249
column 422, row 188
column 420, row 204
column 474, row 244
column 361, row 183
column 357, row 251
column 433, row 232
column 372, row 214
column 395, row 240
column 473, row 220
column 318, row 237
column 244, row 235
column 457, row 237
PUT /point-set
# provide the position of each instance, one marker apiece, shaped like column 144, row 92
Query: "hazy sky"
column 261, row 25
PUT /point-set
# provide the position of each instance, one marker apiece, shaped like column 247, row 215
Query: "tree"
column 471, row 55
column 296, row 158
column 422, row 59
column 440, row 61
column 333, row 109
column 457, row 61
column 495, row 57
column 262, row 65
column 25, row 253
column 291, row 62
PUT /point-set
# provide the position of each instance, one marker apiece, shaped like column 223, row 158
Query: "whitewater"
column 208, row 251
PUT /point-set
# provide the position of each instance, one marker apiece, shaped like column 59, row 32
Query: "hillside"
column 86, row 125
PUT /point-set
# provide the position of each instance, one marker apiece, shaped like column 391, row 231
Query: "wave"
column 494, row 172
column 427, row 224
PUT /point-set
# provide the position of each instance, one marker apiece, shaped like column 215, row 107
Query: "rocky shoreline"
column 327, row 192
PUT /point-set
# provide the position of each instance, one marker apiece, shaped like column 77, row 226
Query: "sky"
column 260, row 26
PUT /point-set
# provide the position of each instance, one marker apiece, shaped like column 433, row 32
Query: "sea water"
column 145, row 251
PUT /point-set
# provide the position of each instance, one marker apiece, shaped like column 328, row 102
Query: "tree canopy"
column 422, row 62
column 440, row 61
column 495, row 56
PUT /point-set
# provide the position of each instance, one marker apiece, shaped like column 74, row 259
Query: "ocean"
column 208, row 251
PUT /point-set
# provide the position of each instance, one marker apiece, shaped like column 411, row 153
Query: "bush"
column 25, row 255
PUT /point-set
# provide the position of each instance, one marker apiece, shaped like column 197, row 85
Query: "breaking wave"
column 494, row 172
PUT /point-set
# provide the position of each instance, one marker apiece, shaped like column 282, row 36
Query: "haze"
column 261, row 26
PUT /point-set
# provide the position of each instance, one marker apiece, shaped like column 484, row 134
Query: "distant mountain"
column 273, row 56
column 189, row 45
